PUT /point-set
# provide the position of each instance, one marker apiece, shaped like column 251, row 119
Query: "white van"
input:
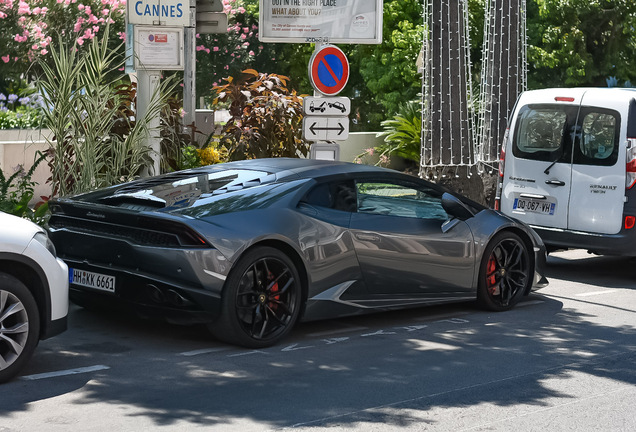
column 568, row 168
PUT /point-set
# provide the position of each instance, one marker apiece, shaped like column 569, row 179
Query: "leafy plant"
column 17, row 191
column 402, row 136
column 266, row 117
column 96, row 141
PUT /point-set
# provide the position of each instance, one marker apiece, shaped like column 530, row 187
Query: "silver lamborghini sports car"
column 251, row 247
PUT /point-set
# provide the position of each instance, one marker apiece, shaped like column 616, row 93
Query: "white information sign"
column 158, row 48
column 321, row 21
column 159, row 12
column 325, row 128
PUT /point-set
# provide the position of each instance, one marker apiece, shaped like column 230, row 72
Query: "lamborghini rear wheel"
column 261, row 300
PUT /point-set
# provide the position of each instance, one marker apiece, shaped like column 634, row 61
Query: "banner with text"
column 321, row 21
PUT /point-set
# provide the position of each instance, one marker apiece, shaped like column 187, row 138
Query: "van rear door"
column 598, row 166
column 538, row 171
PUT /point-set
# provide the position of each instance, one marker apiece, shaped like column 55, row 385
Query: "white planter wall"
column 18, row 147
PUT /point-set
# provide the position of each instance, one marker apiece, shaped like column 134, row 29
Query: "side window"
column 336, row 195
column 400, row 200
column 598, row 142
column 543, row 132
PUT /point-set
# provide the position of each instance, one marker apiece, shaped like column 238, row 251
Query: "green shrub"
column 266, row 117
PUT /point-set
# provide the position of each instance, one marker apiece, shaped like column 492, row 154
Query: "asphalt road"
column 564, row 359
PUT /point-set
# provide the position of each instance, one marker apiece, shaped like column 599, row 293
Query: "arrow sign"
column 314, row 128
column 325, row 128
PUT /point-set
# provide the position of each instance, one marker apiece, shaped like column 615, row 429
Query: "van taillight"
column 630, row 221
column 502, row 161
column 630, row 170
column 564, row 99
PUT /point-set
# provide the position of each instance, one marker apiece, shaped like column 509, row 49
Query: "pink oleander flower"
column 23, row 8
column 6, row 58
column 215, row 49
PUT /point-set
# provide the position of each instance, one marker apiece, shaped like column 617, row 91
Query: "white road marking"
column 454, row 321
column 202, row 351
column 64, row 372
column 441, row 317
column 377, row 333
column 335, row 340
column 247, row 353
column 593, row 293
column 336, row 331
column 413, row 328
column 295, row 347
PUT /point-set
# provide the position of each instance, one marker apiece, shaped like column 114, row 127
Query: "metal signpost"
column 161, row 36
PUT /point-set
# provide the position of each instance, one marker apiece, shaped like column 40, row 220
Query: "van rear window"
column 540, row 132
column 598, row 140
column 565, row 133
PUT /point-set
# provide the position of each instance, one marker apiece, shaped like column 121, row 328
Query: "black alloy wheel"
column 505, row 272
column 261, row 301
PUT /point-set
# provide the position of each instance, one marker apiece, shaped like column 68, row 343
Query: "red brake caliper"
column 274, row 290
column 491, row 280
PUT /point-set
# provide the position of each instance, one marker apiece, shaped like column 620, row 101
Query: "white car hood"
column 16, row 233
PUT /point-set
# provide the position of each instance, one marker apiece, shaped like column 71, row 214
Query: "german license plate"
column 534, row 206
column 92, row 280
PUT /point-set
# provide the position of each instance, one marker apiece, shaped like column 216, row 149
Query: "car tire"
column 19, row 326
column 261, row 299
column 505, row 273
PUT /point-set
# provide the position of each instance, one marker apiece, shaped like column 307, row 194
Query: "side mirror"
column 456, row 208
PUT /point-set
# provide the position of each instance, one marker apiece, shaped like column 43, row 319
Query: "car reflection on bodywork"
column 251, row 247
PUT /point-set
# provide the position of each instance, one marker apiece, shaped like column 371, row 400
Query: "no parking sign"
column 329, row 70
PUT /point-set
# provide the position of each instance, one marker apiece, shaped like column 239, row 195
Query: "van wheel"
column 19, row 326
column 505, row 272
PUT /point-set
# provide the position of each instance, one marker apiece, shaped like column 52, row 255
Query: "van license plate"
column 92, row 280
column 534, row 206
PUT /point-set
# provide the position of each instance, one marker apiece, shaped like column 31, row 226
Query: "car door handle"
column 367, row 237
column 555, row 182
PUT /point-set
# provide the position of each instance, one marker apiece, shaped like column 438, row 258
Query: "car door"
column 538, row 166
column 598, row 169
column 403, row 253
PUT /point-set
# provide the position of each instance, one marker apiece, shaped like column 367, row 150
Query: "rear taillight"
column 564, row 99
column 502, row 161
column 630, row 221
column 630, row 178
